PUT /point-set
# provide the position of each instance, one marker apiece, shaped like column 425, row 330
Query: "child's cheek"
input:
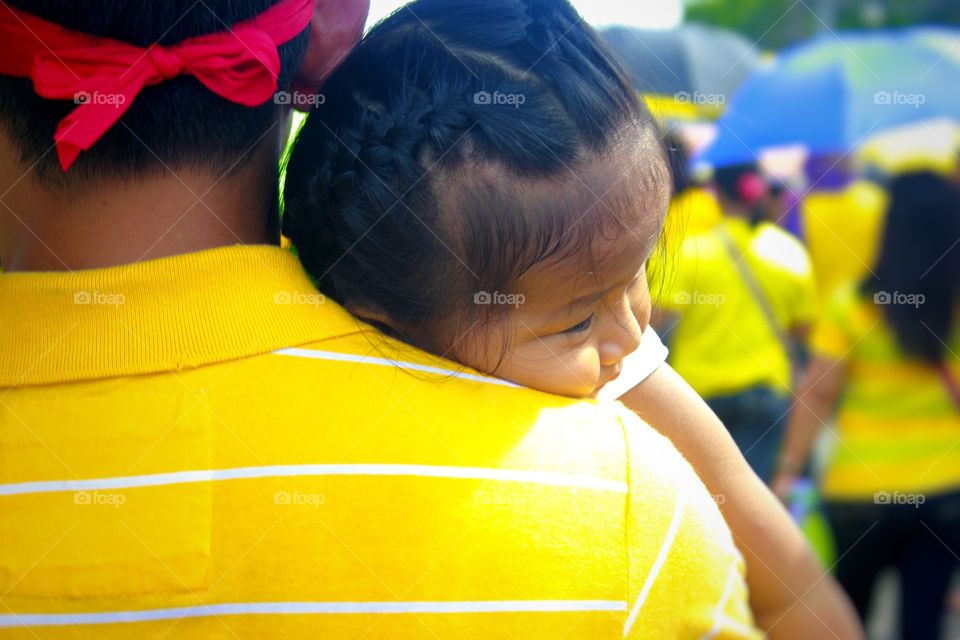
column 642, row 306
column 588, row 368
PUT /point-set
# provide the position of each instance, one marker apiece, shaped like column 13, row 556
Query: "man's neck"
column 119, row 222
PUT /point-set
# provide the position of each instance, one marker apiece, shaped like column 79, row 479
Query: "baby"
column 507, row 228
column 482, row 181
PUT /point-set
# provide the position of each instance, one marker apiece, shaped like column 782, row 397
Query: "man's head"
column 178, row 122
column 180, row 168
column 741, row 190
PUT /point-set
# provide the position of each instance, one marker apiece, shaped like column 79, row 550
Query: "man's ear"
column 335, row 28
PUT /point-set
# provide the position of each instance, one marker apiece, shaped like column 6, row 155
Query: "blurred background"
column 815, row 223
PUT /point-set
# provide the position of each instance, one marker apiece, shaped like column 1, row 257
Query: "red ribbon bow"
column 104, row 76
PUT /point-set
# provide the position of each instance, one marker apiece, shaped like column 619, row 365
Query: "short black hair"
column 174, row 123
column 406, row 192
column 727, row 179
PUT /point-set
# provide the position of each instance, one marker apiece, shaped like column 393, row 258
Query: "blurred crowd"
column 819, row 317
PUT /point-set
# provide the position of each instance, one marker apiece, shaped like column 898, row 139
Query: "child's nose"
column 622, row 337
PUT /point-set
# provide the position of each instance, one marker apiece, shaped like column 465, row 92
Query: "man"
column 740, row 292
column 195, row 443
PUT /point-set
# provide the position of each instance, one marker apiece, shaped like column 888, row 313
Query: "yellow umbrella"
column 931, row 145
column 676, row 108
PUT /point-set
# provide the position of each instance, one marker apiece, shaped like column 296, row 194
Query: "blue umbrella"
column 831, row 93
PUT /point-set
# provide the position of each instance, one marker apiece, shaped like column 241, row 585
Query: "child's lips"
column 614, row 373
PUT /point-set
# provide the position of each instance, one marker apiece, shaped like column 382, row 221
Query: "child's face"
column 579, row 317
column 575, row 325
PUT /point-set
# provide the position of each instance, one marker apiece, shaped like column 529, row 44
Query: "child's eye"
column 580, row 327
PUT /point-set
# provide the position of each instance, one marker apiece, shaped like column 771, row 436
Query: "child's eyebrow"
column 588, row 299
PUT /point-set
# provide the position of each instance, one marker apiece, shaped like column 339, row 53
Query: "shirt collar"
column 161, row 315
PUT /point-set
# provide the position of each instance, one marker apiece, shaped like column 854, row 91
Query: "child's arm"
column 791, row 595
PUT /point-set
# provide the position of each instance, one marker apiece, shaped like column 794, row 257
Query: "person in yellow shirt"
column 734, row 298
column 885, row 363
column 693, row 208
column 197, row 443
column 841, row 219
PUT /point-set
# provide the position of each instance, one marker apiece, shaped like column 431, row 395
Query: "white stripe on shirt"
column 278, row 471
column 352, row 357
column 657, row 565
column 307, row 608
column 719, row 620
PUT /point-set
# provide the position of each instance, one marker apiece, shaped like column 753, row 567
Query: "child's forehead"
column 613, row 255
column 620, row 199
column 607, row 260
column 591, row 222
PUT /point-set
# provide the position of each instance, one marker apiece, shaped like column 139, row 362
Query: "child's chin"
column 575, row 394
column 559, row 388
column 584, row 394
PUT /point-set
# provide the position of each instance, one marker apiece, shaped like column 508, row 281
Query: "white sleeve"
column 637, row 366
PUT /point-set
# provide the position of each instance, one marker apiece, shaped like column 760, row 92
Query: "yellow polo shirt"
column 722, row 342
column 842, row 231
column 897, row 425
column 204, row 447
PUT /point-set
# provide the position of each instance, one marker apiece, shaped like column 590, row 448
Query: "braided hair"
column 409, row 188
